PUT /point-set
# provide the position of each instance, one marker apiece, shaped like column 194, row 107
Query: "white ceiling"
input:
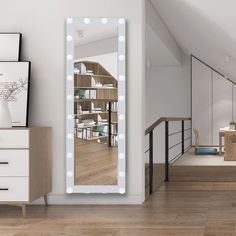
column 204, row 28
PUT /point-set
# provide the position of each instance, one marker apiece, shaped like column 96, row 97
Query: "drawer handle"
column 4, row 162
column 4, row 189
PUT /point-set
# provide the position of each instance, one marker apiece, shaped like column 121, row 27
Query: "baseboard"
column 109, row 199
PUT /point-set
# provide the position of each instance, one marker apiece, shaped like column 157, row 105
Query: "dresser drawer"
column 14, row 138
column 14, row 189
column 14, row 162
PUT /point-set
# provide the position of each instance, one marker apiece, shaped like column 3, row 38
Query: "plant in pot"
column 232, row 125
column 8, row 93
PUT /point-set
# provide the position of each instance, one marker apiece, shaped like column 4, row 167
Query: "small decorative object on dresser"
column 5, row 116
column 25, row 165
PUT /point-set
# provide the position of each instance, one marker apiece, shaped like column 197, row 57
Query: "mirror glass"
column 96, row 56
column 95, row 105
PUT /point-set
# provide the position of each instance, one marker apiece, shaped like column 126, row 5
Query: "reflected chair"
column 202, row 150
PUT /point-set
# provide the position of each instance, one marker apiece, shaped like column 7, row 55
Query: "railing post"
column 166, row 151
column 151, row 162
column 109, row 124
column 182, row 136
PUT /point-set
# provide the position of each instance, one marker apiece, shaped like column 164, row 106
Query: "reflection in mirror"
column 95, row 105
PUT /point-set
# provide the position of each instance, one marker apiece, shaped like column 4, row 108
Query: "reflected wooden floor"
column 177, row 209
column 95, row 163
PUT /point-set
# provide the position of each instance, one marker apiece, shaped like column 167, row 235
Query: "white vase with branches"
column 8, row 92
column 5, row 115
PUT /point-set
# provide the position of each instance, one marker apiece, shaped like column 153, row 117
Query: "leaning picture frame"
column 14, row 90
column 10, row 46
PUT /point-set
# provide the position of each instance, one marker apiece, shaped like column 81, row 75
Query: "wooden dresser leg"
column 45, row 200
column 23, row 210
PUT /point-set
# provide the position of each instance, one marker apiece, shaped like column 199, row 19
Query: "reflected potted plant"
column 232, row 125
column 8, row 93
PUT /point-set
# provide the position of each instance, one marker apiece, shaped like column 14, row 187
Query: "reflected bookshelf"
column 95, row 104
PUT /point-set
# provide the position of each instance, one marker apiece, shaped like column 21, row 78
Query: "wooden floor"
column 189, row 158
column 177, row 209
column 95, row 163
column 203, row 173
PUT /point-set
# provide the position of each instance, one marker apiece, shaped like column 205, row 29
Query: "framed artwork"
column 10, row 45
column 14, row 88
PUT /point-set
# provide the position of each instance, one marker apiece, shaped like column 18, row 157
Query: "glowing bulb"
column 121, row 174
column 69, row 117
column 69, row 190
column 86, row 21
column 121, row 98
column 121, row 156
column 69, row 38
column 70, row 136
column 121, row 78
column 69, row 77
column 121, row 117
column 104, row 21
column 69, row 97
column 69, row 20
column 121, row 57
column 121, row 38
column 121, row 190
column 121, row 21
column 70, row 173
column 69, row 155
column 69, row 57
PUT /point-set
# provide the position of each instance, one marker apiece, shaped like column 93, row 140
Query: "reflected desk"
column 229, row 143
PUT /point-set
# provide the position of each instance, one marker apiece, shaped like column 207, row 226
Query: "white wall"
column 168, row 94
column 43, row 26
column 204, row 28
column 167, row 83
column 202, row 112
column 213, row 102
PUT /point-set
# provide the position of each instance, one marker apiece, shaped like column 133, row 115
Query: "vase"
column 5, row 115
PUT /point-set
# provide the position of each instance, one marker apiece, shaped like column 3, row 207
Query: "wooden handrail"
column 160, row 120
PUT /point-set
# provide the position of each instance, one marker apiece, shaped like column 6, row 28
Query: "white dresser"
column 25, row 165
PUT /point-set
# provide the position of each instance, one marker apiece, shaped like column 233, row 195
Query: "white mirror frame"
column 121, row 69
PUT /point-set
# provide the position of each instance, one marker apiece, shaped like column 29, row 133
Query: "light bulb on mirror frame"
column 86, row 21
column 69, row 38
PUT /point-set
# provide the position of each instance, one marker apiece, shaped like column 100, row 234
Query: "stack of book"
column 89, row 72
column 88, row 94
column 88, row 122
column 114, row 106
column 107, row 86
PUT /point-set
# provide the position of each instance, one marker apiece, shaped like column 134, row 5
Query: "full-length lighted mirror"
column 95, row 105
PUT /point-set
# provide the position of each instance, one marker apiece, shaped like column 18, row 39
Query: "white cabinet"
column 10, row 138
column 14, row 189
column 25, row 165
column 202, row 101
column 222, row 104
column 14, row 162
